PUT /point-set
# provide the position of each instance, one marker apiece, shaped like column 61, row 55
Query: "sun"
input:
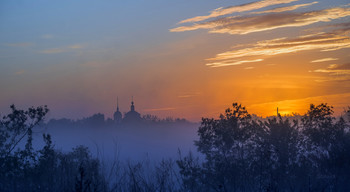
column 285, row 112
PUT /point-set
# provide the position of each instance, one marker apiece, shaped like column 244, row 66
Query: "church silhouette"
column 130, row 117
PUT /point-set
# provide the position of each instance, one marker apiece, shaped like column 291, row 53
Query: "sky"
column 179, row 58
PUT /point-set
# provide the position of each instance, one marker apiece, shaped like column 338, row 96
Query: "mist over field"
column 155, row 141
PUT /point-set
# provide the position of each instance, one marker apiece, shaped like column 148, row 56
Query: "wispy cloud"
column 332, row 66
column 20, row 72
column 237, row 9
column 23, row 44
column 61, row 50
column 321, row 41
column 230, row 62
column 76, row 46
column 185, row 96
column 160, row 109
column 300, row 105
column 284, row 9
column 257, row 23
column 336, row 78
column 335, row 72
column 324, row 60
column 188, row 95
column 249, row 68
column 47, row 36
column 52, row 51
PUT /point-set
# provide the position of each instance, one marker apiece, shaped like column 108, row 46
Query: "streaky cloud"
column 336, row 99
column 229, row 63
column 61, row 50
column 284, row 9
column 257, row 23
column 77, row 46
column 187, row 96
column 324, row 60
column 237, row 9
column 160, row 109
column 333, row 66
column 47, row 36
column 334, row 40
column 20, row 72
column 336, row 72
column 52, row 51
column 24, row 44
column 339, row 79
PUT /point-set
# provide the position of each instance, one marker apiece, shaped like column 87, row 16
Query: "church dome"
column 132, row 116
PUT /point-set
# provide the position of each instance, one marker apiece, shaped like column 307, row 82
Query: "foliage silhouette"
column 242, row 154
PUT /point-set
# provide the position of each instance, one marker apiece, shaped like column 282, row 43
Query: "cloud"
column 188, row 95
column 256, row 23
column 160, row 109
column 324, row 60
column 334, row 40
column 249, row 68
column 61, row 50
column 332, row 66
column 275, row 18
column 47, row 36
column 237, row 9
column 24, row 44
column 335, row 68
column 339, row 78
column 20, row 72
column 284, row 9
column 77, row 46
column 234, row 62
column 344, row 66
column 335, row 72
column 52, row 51
column 185, row 96
column 301, row 105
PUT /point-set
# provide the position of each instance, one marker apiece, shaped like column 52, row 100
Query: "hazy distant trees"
column 242, row 154
column 152, row 119
column 98, row 121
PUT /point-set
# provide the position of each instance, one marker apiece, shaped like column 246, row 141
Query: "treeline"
column 239, row 153
column 99, row 121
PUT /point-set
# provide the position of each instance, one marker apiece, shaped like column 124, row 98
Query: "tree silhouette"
column 275, row 154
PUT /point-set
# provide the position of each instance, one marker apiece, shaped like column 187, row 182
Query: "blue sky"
column 78, row 56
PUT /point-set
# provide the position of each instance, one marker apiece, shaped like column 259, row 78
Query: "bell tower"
column 132, row 107
column 118, row 115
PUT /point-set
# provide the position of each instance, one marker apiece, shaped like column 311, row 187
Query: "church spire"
column 117, row 104
column 118, row 115
column 132, row 108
